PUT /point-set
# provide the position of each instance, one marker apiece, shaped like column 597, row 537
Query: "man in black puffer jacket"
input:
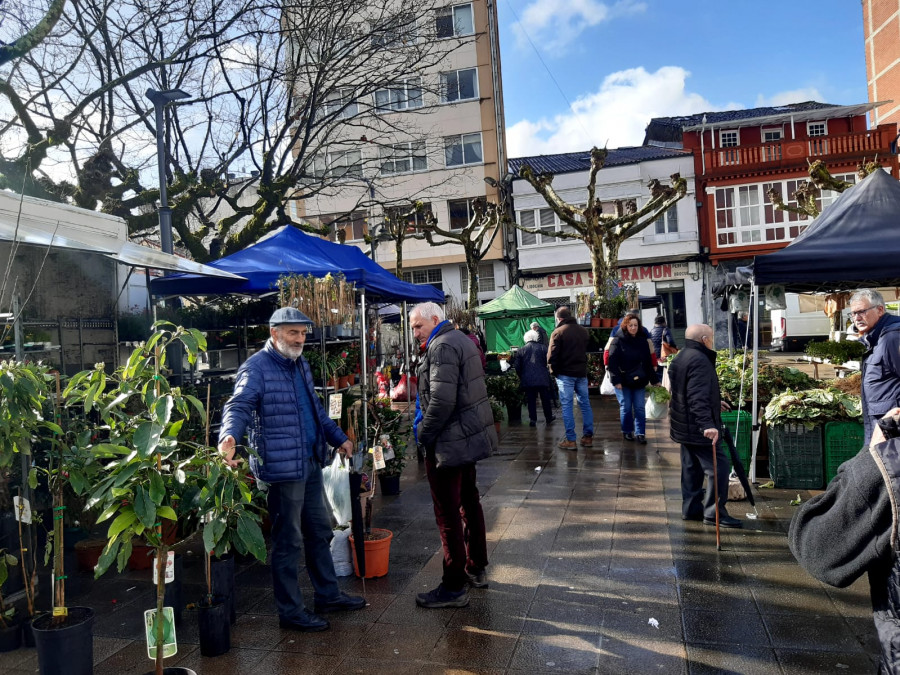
column 695, row 417
column 852, row 528
column 456, row 427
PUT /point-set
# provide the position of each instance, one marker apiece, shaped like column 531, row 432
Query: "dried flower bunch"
column 329, row 301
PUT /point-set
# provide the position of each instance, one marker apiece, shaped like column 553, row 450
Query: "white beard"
column 289, row 352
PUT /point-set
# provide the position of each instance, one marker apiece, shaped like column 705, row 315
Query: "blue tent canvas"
column 290, row 251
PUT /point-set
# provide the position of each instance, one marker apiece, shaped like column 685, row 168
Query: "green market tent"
column 507, row 318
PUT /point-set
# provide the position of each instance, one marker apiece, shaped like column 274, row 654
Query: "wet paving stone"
column 591, row 571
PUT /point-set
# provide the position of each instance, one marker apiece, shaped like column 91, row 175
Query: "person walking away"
column 631, row 370
column 543, row 338
column 456, row 429
column 275, row 400
column 880, row 367
column 851, row 529
column 695, row 418
column 531, row 365
column 469, row 332
column 659, row 336
column 567, row 358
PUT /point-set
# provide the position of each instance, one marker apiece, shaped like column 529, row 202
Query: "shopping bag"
column 654, row 410
column 606, row 387
column 668, row 349
column 336, row 478
column 398, row 393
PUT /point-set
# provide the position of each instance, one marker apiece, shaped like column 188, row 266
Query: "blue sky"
column 619, row 63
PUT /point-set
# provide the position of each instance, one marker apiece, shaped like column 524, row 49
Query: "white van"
column 803, row 320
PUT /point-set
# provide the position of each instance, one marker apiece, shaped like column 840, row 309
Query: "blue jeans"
column 301, row 523
column 631, row 410
column 577, row 387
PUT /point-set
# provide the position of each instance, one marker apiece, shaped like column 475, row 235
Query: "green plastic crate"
column 741, row 433
column 843, row 441
column 796, row 457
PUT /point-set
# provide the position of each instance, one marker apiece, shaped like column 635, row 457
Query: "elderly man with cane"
column 695, row 421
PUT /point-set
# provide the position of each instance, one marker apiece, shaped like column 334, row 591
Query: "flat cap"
column 288, row 315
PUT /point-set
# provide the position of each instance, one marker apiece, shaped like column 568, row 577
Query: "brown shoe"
column 587, row 441
column 567, row 445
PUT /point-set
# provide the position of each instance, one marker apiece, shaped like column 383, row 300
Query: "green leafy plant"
column 7, row 560
column 658, row 394
column 813, row 407
column 496, row 409
column 836, row 352
column 506, row 388
column 772, row 379
column 386, row 424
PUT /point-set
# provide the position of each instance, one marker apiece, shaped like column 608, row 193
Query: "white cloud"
column 614, row 116
column 556, row 24
column 792, row 96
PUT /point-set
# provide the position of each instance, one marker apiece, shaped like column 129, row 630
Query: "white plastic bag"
column 341, row 553
column 336, row 477
column 606, row 387
column 654, row 410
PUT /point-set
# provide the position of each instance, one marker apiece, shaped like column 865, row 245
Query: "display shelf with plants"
column 772, row 379
column 813, row 407
column 836, row 352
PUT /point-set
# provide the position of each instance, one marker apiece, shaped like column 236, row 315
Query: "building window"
column 771, row 135
column 454, row 21
column 818, row 144
column 485, row 278
column 729, row 141
column 461, row 213
column 406, row 95
column 338, row 164
column 772, row 150
column 339, row 103
column 816, row 129
column 344, row 226
column 403, row 157
column 414, row 219
column 426, row 276
column 459, row 85
column 667, row 223
column 539, row 219
column 526, row 219
column 464, row 149
column 746, row 216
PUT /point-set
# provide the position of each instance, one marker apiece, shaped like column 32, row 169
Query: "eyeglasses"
column 859, row 313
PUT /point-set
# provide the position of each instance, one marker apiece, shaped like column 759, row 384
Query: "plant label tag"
column 335, row 405
column 206, row 518
column 60, row 611
column 170, row 568
column 169, row 646
column 378, row 457
column 388, row 454
column 23, row 510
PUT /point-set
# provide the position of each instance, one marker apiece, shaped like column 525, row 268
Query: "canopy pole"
column 754, row 297
column 363, row 350
column 404, row 327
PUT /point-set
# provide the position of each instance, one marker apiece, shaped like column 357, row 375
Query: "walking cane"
column 715, row 480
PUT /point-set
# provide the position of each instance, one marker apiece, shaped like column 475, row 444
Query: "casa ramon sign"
column 585, row 278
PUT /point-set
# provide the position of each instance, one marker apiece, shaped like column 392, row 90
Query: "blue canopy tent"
column 290, row 251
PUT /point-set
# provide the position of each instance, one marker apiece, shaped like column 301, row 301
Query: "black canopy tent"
column 854, row 243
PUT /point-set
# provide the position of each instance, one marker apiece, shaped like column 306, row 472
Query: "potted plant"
column 507, row 389
column 657, row 403
column 144, row 466
column 386, row 426
column 10, row 630
column 497, row 412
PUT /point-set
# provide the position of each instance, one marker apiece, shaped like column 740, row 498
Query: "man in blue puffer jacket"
column 275, row 398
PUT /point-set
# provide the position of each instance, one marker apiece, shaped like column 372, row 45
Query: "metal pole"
column 754, row 296
column 363, row 379
column 404, row 326
column 17, row 329
column 165, row 213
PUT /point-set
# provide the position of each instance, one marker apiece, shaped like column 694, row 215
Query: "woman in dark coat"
column 630, row 370
column 531, row 365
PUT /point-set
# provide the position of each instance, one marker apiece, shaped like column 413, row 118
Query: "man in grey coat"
column 455, row 427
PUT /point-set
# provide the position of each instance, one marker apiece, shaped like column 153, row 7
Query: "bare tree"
column 808, row 193
column 398, row 225
column 286, row 102
column 603, row 233
column 32, row 34
column 476, row 238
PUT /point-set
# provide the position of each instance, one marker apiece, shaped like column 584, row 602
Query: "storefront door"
column 672, row 294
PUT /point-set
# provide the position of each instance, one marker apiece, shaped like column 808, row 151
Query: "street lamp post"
column 160, row 100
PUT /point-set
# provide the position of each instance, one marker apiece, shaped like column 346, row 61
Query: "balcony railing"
column 786, row 153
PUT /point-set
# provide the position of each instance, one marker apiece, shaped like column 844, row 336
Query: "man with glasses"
column 880, row 333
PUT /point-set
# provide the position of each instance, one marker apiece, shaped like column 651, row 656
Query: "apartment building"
column 881, row 27
column 739, row 155
column 435, row 137
column 661, row 259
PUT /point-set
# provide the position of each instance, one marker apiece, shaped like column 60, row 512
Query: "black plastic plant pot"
column 27, row 634
column 390, row 485
column 67, row 648
column 215, row 627
column 223, row 582
column 10, row 637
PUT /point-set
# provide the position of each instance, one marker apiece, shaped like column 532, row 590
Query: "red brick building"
column 881, row 26
column 740, row 154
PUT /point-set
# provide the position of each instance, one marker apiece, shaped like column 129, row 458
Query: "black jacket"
column 630, row 357
column 696, row 403
column 661, row 334
column 457, row 425
column 568, row 350
column 531, row 365
column 850, row 529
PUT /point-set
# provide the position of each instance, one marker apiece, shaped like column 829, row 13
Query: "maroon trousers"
column 460, row 521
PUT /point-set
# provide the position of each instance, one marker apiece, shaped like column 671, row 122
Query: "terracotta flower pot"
column 596, row 322
column 378, row 553
column 87, row 553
